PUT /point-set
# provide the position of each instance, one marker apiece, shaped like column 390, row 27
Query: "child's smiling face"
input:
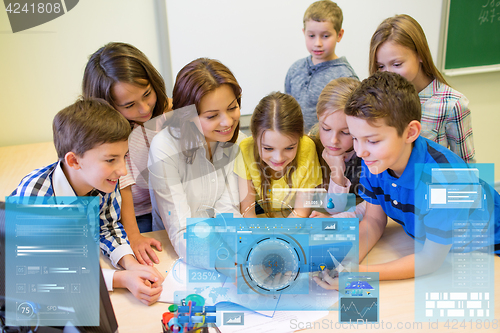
column 380, row 146
column 393, row 57
column 100, row 168
column 277, row 150
column 134, row 102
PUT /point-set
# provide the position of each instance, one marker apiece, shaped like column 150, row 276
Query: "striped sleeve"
column 37, row 183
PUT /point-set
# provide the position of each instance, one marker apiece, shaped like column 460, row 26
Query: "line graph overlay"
column 352, row 309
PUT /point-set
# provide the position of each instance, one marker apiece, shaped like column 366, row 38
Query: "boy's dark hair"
column 86, row 124
column 324, row 11
column 388, row 96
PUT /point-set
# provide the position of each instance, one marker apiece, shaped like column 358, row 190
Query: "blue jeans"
column 145, row 222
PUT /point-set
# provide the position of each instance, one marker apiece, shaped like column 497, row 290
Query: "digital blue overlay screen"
column 268, row 263
column 52, row 261
column 456, row 211
column 359, row 297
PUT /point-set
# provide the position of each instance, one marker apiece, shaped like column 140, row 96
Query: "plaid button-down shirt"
column 113, row 239
column 446, row 119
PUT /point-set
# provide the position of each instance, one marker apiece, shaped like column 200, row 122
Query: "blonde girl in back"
column 341, row 167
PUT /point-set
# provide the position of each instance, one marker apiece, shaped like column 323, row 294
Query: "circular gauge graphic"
column 25, row 311
column 177, row 272
column 202, row 229
column 222, row 253
column 272, row 264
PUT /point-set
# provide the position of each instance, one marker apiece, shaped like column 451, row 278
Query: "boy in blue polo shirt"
column 91, row 140
column 307, row 77
column 383, row 116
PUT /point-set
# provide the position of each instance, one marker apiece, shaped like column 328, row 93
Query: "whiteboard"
column 259, row 40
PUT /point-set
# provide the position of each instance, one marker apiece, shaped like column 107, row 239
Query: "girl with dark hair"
column 123, row 76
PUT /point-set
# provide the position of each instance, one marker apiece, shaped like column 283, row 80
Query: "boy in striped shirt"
column 383, row 116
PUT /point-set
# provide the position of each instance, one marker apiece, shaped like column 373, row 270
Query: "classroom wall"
column 42, row 68
column 258, row 40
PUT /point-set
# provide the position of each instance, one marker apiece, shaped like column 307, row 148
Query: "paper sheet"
column 281, row 321
column 175, row 288
column 260, row 321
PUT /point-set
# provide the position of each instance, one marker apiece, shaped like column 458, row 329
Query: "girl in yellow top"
column 277, row 160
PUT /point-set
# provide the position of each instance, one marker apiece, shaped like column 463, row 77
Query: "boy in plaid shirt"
column 91, row 140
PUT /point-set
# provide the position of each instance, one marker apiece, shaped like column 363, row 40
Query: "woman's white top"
column 180, row 190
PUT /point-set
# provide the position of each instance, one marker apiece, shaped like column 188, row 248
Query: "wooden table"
column 131, row 314
column 17, row 161
column 396, row 303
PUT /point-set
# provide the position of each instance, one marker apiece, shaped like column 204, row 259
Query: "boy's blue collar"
column 325, row 63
